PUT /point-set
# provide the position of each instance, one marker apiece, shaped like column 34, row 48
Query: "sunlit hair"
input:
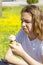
column 37, row 16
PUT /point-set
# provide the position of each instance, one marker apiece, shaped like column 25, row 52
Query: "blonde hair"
column 38, row 23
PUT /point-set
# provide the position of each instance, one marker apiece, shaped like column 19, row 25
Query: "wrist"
column 23, row 53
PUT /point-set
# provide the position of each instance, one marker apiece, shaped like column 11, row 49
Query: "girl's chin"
column 26, row 31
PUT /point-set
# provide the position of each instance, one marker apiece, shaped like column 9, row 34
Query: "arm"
column 19, row 50
column 10, row 57
column 29, row 59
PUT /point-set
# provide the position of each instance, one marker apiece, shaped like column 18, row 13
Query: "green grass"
column 14, row 10
column 9, row 24
column 41, row 7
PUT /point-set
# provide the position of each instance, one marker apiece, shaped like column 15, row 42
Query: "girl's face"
column 27, row 22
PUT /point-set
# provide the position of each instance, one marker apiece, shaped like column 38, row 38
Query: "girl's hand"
column 17, row 48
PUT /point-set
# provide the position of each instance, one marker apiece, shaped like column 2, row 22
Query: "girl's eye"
column 26, row 21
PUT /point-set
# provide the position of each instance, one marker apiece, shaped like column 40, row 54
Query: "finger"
column 11, row 46
column 17, row 44
column 14, row 51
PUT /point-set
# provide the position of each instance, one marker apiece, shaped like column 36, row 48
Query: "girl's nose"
column 23, row 24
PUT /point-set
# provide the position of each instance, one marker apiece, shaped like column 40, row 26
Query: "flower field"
column 10, row 23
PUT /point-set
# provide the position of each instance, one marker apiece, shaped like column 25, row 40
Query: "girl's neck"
column 32, row 36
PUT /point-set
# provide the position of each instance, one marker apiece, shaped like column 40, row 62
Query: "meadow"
column 10, row 23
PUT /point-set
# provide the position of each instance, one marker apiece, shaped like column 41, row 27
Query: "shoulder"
column 21, row 33
column 20, row 36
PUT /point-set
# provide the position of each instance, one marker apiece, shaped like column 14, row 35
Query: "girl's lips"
column 24, row 28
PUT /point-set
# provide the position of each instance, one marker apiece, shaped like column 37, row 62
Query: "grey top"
column 33, row 48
